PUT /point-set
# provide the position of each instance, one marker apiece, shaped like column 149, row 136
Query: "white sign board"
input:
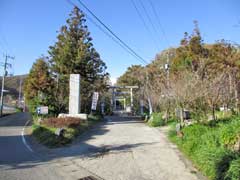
column 42, row 110
column 74, row 96
column 94, row 101
column 128, row 109
column 102, row 107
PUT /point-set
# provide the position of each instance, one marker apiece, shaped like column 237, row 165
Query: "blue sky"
column 28, row 28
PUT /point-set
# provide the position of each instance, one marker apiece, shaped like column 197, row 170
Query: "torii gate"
column 122, row 87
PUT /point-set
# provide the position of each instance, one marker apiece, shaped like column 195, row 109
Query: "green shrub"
column 92, row 117
column 213, row 161
column 230, row 133
column 223, row 114
column 192, row 137
column 206, row 147
column 45, row 132
column 46, row 135
column 233, row 172
column 156, row 120
column 19, row 109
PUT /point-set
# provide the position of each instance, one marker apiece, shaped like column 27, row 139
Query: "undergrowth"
column 45, row 132
column 210, row 147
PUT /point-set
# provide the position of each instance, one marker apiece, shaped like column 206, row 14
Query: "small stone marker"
column 59, row 131
column 178, row 127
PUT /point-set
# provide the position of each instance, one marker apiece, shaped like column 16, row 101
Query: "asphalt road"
column 119, row 149
column 17, row 162
column 124, row 148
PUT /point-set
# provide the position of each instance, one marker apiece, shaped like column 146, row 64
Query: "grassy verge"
column 156, row 120
column 211, row 147
column 46, row 135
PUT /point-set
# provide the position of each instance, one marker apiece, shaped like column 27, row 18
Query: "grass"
column 46, row 135
column 210, row 147
column 157, row 120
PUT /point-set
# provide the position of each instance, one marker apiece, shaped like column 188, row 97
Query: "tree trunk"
column 150, row 106
column 181, row 116
column 236, row 97
column 213, row 113
column 168, row 111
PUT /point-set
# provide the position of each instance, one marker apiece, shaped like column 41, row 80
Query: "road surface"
column 16, row 161
column 119, row 149
column 126, row 149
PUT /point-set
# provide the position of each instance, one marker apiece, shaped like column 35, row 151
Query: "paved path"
column 120, row 149
column 124, row 149
column 16, row 161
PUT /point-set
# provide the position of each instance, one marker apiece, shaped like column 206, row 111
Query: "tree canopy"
column 73, row 53
column 202, row 77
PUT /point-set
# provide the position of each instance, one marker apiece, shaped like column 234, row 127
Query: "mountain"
column 12, row 84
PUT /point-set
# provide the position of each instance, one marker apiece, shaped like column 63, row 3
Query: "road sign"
column 42, row 110
column 94, row 101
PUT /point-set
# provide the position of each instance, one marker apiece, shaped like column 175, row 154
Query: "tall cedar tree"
column 38, row 85
column 73, row 53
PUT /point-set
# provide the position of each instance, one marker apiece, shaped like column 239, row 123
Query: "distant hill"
column 12, row 84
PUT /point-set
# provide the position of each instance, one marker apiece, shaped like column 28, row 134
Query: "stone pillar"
column 74, row 94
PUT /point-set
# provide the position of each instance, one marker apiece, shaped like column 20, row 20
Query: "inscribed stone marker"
column 74, row 95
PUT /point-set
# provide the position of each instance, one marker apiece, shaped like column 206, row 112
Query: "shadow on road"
column 14, row 155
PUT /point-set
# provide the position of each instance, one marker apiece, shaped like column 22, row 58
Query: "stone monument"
column 74, row 98
column 74, row 94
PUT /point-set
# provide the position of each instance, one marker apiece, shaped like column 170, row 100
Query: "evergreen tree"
column 73, row 53
column 38, row 85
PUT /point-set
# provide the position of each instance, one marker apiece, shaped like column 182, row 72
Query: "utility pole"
column 167, row 66
column 20, row 92
column 5, row 65
column 148, row 96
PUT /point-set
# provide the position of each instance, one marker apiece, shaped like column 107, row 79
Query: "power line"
column 104, row 31
column 144, row 23
column 113, row 34
column 158, row 20
column 149, row 18
column 109, row 35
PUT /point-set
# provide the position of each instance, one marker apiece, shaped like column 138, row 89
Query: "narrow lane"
column 16, row 161
column 120, row 149
column 126, row 149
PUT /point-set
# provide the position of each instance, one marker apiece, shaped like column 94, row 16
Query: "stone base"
column 80, row 116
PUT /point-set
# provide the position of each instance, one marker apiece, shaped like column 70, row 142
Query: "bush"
column 233, row 172
column 45, row 132
column 230, row 133
column 156, row 120
column 92, row 117
column 19, row 109
column 46, row 135
column 62, row 122
column 206, row 147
